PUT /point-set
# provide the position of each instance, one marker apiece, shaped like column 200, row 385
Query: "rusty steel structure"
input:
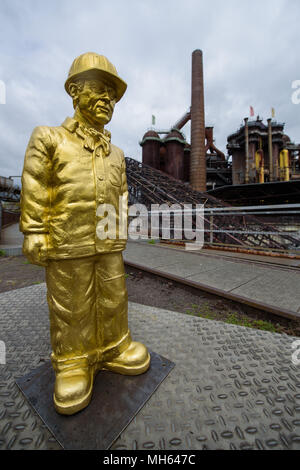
column 172, row 155
column 270, row 149
column 210, row 146
column 258, row 154
column 263, row 153
column 147, row 185
column 9, row 202
column 151, row 149
column 9, row 191
column 199, row 163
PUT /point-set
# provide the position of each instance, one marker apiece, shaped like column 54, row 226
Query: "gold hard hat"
column 90, row 61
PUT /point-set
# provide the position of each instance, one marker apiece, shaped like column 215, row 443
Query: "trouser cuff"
column 93, row 357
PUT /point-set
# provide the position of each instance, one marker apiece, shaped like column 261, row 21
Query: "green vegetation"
column 2, row 253
column 33, row 265
column 151, row 242
column 233, row 318
column 236, row 319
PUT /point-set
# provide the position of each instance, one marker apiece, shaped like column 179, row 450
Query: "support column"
column 270, row 146
column 246, row 151
column 275, row 159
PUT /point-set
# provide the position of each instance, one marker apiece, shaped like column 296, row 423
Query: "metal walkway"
column 232, row 387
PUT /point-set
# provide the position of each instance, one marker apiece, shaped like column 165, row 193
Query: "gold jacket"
column 68, row 173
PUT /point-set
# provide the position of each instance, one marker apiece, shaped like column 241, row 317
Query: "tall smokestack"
column 198, row 154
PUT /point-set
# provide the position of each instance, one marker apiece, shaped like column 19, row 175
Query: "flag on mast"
column 273, row 112
column 153, row 120
column 251, row 111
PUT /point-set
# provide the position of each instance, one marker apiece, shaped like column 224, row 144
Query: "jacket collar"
column 91, row 137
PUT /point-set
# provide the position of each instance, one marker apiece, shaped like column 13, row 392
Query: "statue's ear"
column 73, row 90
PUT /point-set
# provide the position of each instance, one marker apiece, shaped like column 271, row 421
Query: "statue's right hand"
column 35, row 248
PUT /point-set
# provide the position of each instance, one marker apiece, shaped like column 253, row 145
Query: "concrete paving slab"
column 232, row 387
column 229, row 276
column 154, row 254
column 11, row 250
column 185, row 269
column 150, row 255
column 152, row 263
column 11, row 240
column 282, row 261
column 265, row 286
column 11, row 235
column 276, row 288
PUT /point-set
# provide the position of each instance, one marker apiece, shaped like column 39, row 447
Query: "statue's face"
column 96, row 101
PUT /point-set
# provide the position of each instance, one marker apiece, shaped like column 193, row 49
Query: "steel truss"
column 147, row 186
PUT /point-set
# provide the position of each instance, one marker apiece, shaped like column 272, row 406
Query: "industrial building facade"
column 263, row 153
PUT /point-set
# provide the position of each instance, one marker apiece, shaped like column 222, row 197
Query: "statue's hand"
column 35, row 248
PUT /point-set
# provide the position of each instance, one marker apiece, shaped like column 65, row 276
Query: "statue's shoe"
column 134, row 360
column 73, row 385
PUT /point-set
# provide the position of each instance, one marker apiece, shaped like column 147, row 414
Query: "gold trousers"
column 88, row 306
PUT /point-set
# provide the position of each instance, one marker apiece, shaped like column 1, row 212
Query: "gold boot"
column 73, row 384
column 135, row 360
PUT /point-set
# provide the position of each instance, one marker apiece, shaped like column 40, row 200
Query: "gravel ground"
column 147, row 289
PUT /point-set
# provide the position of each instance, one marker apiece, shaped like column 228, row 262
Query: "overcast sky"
column 251, row 57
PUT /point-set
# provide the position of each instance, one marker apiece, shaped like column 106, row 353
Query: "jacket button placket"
column 100, row 176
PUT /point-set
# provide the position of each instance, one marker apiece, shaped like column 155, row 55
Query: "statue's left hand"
column 35, row 248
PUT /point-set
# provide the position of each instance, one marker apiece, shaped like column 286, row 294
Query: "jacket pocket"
column 115, row 175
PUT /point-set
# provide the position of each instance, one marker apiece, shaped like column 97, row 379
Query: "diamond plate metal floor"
column 231, row 388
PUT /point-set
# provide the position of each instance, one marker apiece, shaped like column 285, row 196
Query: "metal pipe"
column 284, row 165
column 246, row 151
column 276, row 163
column 287, row 167
column 270, row 145
column 198, row 154
column 209, row 134
column 260, row 168
column 182, row 121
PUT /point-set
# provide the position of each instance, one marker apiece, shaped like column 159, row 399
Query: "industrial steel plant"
column 260, row 175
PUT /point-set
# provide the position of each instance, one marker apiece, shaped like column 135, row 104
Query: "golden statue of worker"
column 69, row 172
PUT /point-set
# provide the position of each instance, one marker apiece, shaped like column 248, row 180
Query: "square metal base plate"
column 115, row 402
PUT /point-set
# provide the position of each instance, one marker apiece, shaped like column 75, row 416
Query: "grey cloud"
column 251, row 55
